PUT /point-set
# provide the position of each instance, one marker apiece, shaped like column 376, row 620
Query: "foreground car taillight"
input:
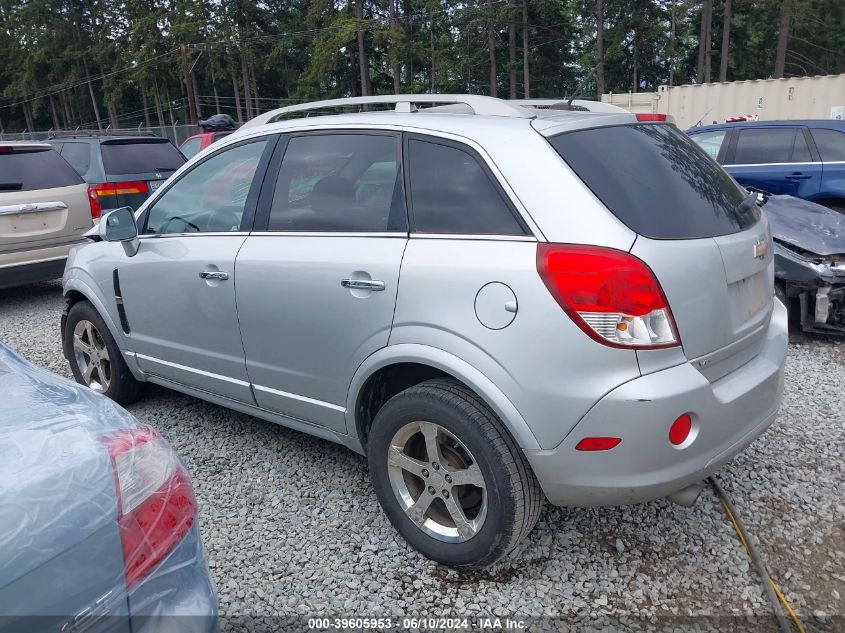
column 611, row 295
column 94, row 203
column 156, row 503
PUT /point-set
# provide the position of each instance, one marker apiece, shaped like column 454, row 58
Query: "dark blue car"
column 805, row 159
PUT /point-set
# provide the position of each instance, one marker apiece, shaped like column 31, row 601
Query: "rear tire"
column 94, row 357
column 416, row 481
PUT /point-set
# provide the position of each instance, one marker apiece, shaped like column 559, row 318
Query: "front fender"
column 450, row 364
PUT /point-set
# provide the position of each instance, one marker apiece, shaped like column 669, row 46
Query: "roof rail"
column 93, row 133
column 479, row 104
column 561, row 104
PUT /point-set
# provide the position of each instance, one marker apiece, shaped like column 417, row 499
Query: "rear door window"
column 28, row 169
column 656, row 180
column 191, row 147
column 452, row 193
column 140, row 156
column 760, row 146
column 339, row 183
column 830, row 143
column 711, row 142
column 78, row 155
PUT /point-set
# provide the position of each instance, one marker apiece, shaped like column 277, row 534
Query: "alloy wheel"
column 92, row 356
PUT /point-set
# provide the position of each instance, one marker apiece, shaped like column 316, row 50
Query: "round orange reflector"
column 680, row 429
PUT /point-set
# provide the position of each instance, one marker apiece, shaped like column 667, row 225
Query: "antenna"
column 581, row 86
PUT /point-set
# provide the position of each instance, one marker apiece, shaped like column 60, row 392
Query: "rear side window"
column 830, row 143
column 756, row 146
column 78, row 155
column 30, row 169
column 191, row 147
column 140, row 156
column 657, row 181
column 452, row 193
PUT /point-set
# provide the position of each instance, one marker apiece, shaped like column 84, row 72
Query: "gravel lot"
column 292, row 527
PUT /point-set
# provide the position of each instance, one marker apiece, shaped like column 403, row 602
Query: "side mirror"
column 119, row 226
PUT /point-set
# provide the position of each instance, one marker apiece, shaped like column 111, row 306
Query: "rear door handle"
column 218, row 275
column 798, row 176
column 362, row 284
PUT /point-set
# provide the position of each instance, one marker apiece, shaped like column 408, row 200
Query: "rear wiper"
column 166, row 168
column 749, row 202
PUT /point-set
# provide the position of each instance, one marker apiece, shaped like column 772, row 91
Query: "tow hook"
column 687, row 496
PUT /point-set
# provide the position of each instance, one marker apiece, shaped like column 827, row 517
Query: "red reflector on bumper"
column 680, row 429
column 597, row 443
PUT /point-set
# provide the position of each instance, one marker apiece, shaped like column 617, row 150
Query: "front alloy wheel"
column 92, row 356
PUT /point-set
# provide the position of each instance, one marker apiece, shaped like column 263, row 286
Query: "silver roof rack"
column 586, row 104
column 479, row 104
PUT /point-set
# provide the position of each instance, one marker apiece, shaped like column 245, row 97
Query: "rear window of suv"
column 657, row 181
column 140, row 156
column 31, row 168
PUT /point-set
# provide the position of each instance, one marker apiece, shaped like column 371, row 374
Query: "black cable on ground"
column 774, row 593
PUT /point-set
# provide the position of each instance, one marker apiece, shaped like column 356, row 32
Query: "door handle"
column 798, row 176
column 362, row 284
column 217, row 275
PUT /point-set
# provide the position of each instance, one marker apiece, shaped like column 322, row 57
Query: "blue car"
column 98, row 519
column 805, row 159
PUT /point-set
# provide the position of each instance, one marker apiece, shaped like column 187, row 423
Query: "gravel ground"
column 292, row 527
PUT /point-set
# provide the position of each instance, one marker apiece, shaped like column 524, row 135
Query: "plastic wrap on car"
column 64, row 559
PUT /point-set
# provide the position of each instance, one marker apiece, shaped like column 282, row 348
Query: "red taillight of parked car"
column 94, row 203
column 611, row 295
column 156, row 503
column 122, row 188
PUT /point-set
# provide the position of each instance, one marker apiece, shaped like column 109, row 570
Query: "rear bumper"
column 179, row 595
column 21, row 267
column 728, row 415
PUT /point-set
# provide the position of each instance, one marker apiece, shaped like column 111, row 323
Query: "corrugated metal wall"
column 769, row 99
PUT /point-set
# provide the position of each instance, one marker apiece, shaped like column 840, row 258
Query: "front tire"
column 449, row 477
column 95, row 359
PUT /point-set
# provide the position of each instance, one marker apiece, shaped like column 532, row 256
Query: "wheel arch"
column 76, row 290
column 372, row 385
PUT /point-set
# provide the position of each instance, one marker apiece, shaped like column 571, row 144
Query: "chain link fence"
column 176, row 133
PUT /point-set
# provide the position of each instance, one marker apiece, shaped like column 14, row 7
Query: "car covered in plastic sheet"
column 809, row 249
column 98, row 519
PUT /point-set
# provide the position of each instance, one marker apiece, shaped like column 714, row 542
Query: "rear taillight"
column 647, row 116
column 123, row 188
column 94, row 203
column 156, row 503
column 611, row 295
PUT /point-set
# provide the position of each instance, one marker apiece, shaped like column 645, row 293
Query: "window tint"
column 139, row 156
column 78, row 155
column 764, row 145
column 30, row 169
column 339, row 182
column 657, row 181
column 710, row 142
column 211, row 197
column 191, row 147
column 830, row 143
column 452, row 193
column 801, row 150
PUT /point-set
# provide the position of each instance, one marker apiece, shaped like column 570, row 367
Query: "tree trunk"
column 491, row 45
column 726, row 38
column 702, row 43
column 65, row 109
column 145, row 105
column 245, row 81
column 159, row 109
column 91, row 92
column 783, row 37
column 55, row 114
column 188, row 85
column 512, row 57
column 599, row 49
column 197, row 107
column 433, row 69
column 673, row 38
column 363, row 58
column 27, row 115
column 395, row 69
column 708, row 49
column 634, row 80
column 257, row 107
column 526, row 76
column 237, row 94
column 214, row 89
column 114, row 123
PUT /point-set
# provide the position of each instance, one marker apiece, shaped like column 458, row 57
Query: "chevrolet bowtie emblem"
column 761, row 249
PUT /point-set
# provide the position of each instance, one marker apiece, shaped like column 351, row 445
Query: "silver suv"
column 495, row 303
